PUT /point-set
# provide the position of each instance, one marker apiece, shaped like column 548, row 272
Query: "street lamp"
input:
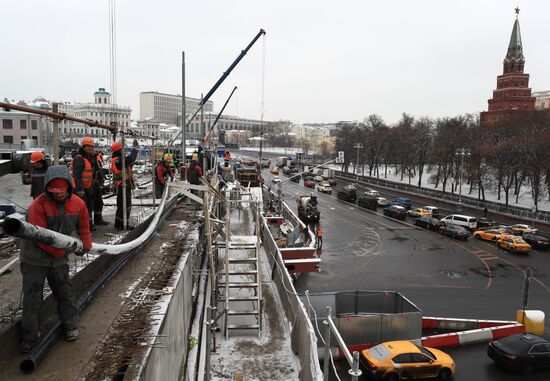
column 461, row 152
column 357, row 146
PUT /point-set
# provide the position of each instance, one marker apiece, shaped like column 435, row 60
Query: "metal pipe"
column 183, row 111
column 22, row 229
column 124, row 185
column 326, row 360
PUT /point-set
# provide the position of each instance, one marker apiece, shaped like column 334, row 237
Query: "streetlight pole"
column 461, row 152
column 357, row 146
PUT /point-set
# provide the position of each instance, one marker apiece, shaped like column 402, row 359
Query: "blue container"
column 7, row 209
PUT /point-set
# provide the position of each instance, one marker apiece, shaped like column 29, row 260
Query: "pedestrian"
column 83, row 167
column 485, row 211
column 193, row 173
column 226, row 158
column 319, row 237
column 99, row 179
column 38, row 171
column 57, row 209
column 169, row 161
column 116, row 167
column 162, row 174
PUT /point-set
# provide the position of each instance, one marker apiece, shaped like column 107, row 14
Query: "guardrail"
column 541, row 216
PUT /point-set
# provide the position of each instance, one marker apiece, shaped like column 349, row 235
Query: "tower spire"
column 515, row 48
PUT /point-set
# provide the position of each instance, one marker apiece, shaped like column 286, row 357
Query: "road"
column 447, row 278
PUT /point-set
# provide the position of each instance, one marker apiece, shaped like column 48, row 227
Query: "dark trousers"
column 33, row 288
column 119, row 221
column 88, row 199
column 98, row 201
column 159, row 189
column 319, row 242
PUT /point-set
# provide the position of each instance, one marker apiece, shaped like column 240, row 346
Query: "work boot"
column 26, row 346
column 92, row 228
column 71, row 335
column 98, row 220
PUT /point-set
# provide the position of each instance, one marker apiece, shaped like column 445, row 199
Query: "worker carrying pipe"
column 60, row 210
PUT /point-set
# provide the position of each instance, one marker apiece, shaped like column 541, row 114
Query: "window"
column 7, row 124
column 23, row 124
column 419, row 357
column 34, row 124
column 456, row 218
column 402, row 359
column 23, row 137
column 8, row 139
column 35, row 138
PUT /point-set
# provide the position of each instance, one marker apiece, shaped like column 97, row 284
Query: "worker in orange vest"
column 83, row 170
column 116, row 167
column 37, row 173
column 319, row 237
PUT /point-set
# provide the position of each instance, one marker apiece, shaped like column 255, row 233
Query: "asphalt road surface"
column 364, row 250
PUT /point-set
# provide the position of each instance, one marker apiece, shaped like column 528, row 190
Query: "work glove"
column 79, row 251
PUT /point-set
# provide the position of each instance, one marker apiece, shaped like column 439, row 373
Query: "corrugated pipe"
column 18, row 228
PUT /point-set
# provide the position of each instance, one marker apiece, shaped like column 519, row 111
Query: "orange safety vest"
column 99, row 159
column 117, row 174
column 87, row 173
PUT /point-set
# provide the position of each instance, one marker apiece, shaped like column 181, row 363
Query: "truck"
column 308, row 208
column 248, row 175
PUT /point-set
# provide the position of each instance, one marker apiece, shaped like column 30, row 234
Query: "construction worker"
column 169, row 161
column 162, row 174
column 116, row 167
column 193, row 173
column 60, row 210
column 195, row 156
column 226, row 158
column 83, row 170
column 38, row 170
column 99, row 179
column 319, row 237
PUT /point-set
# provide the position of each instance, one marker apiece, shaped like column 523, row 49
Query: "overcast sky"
column 325, row 61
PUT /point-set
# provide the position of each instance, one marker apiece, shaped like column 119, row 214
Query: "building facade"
column 166, row 108
column 101, row 110
column 17, row 125
column 542, row 100
column 512, row 94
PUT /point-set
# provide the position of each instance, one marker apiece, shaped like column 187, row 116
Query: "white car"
column 432, row 209
column 318, row 178
column 276, row 180
column 324, row 188
column 372, row 193
column 383, row 202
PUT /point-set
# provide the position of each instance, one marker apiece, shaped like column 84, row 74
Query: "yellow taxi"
column 396, row 360
column 419, row 212
column 514, row 244
column 275, row 170
column 491, row 234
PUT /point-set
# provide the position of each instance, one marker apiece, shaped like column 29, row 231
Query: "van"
column 467, row 222
column 348, row 193
column 368, row 202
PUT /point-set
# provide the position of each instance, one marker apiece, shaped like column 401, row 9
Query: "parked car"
column 432, row 209
column 519, row 229
column 276, row 180
column 428, row 223
column 491, row 234
column 395, row 211
column 523, row 352
column 467, row 222
column 514, row 244
column 332, row 182
column 318, row 178
column 536, row 241
column 275, row 170
column 419, row 212
column 484, row 222
column 371, row 193
column 324, row 187
column 295, row 178
column 454, row 231
column 309, row 183
column 402, row 201
column 308, row 178
column 383, row 202
column 396, row 360
column 368, row 202
column 347, row 193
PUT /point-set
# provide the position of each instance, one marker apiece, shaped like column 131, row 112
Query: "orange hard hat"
column 57, row 185
column 36, row 156
column 116, row 146
column 87, row 141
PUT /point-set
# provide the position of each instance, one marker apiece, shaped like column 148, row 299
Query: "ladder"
column 241, row 280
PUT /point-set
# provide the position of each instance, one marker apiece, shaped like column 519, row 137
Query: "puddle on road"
column 399, row 238
column 453, row 274
column 483, row 272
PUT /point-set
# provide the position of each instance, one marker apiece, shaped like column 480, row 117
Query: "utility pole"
column 55, row 107
column 461, row 152
column 183, row 110
column 357, row 146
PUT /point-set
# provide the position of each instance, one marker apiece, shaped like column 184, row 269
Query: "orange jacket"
column 320, row 233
